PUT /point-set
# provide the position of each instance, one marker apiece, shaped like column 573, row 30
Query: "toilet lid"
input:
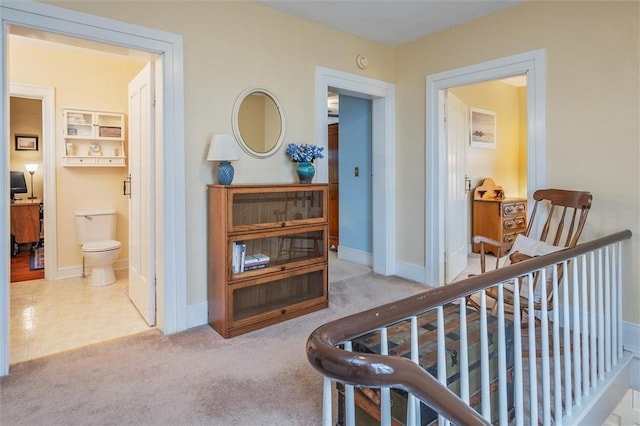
column 104, row 245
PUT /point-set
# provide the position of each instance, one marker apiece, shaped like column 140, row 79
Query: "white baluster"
column 575, row 323
column 327, row 412
column 531, row 338
column 544, row 349
column 593, row 315
column 464, row 354
column 502, row 360
column 566, row 341
column 607, row 311
column 585, row 324
column 385, row 393
column 484, row 359
column 442, row 356
column 557, row 370
column 413, row 404
column 349, row 402
column 619, row 299
column 518, row 382
column 600, row 314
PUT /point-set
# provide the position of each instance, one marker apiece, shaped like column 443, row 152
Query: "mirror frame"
column 236, row 126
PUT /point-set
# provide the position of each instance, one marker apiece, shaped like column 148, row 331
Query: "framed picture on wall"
column 483, row 128
column 26, row 143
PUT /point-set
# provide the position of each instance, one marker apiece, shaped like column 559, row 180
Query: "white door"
column 457, row 134
column 142, row 288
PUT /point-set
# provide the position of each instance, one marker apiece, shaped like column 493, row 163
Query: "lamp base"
column 225, row 173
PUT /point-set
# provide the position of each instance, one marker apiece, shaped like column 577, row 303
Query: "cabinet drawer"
column 110, row 161
column 515, row 223
column 269, row 299
column 513, row 208
column 510, row 238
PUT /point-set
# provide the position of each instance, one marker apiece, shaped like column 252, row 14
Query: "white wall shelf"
column 93, row 139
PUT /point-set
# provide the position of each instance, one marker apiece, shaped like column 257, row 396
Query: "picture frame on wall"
column 26, row 143
column 483, row 128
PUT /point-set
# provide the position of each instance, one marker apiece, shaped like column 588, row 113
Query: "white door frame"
column 382, row 95
column 46, row 95
column 169, row 174
column 533, row 64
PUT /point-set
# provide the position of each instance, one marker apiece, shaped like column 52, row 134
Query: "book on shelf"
column 241, row 261
column 238, row 257
column 243, row 250
column 254, row 267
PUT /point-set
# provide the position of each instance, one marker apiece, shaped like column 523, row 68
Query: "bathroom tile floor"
column 53, row 316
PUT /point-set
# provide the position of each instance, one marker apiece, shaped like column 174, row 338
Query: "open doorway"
column 381, row 95
column 71, row 313
column 502, row 158
column 25, row 160
column 171, row 258
column 531, row 64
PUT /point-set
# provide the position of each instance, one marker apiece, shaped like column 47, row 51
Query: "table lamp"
column 31, row 168
column 223, row 149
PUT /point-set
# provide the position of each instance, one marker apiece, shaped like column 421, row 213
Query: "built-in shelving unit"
column 93, row 139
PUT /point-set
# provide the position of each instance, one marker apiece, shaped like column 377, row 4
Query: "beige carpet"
column 193, row 377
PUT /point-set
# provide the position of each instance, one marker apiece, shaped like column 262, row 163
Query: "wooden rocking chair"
column 560, row 215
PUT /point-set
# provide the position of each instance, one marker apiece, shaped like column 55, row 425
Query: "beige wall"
column 592, row 99
column 26, row 119
column 592, row 105
column 502, row 163
column 229, row 47
column 81, row 81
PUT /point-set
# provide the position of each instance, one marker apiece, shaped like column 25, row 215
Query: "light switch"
column 356, row 171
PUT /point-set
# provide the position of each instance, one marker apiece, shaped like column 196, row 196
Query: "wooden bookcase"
column 286, row 224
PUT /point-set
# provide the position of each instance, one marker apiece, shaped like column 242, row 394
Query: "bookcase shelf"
column 283, row 228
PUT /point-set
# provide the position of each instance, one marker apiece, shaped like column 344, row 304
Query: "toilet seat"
column 100, row 246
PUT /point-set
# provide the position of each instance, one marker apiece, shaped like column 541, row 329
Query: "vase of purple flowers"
column 304, row 154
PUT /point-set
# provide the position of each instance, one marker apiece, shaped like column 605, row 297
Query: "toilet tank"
column 96, row 225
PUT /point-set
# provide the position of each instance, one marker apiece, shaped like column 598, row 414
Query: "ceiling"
column 389, row 22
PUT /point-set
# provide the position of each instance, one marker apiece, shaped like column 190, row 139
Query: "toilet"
column 97, row 233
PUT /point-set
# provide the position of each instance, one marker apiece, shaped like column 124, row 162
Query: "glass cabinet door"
column 279, row 296
column 273, row 251
column 290, row 206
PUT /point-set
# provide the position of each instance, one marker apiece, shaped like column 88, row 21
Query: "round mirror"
column 258, row 122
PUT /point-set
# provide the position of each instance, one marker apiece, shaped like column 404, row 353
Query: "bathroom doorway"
column 71, row 317
column 171, row 213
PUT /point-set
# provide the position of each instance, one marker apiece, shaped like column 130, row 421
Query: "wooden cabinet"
column 499, row 219
column 285, row 226
column 93, row 139
column 25, row 220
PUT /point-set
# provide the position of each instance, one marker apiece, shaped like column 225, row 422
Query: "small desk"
column 25, row 220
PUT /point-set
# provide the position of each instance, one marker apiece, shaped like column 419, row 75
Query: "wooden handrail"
column 364, row 369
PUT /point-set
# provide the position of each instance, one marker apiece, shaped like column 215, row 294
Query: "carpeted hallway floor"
column 193, row 377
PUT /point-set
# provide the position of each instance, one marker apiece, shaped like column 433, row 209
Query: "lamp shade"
column 223, row 148
column 31, row 167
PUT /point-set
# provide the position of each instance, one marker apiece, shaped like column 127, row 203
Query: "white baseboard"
column 356, row 256
column 197, row 314
column 631, row 338
column 411, row 272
